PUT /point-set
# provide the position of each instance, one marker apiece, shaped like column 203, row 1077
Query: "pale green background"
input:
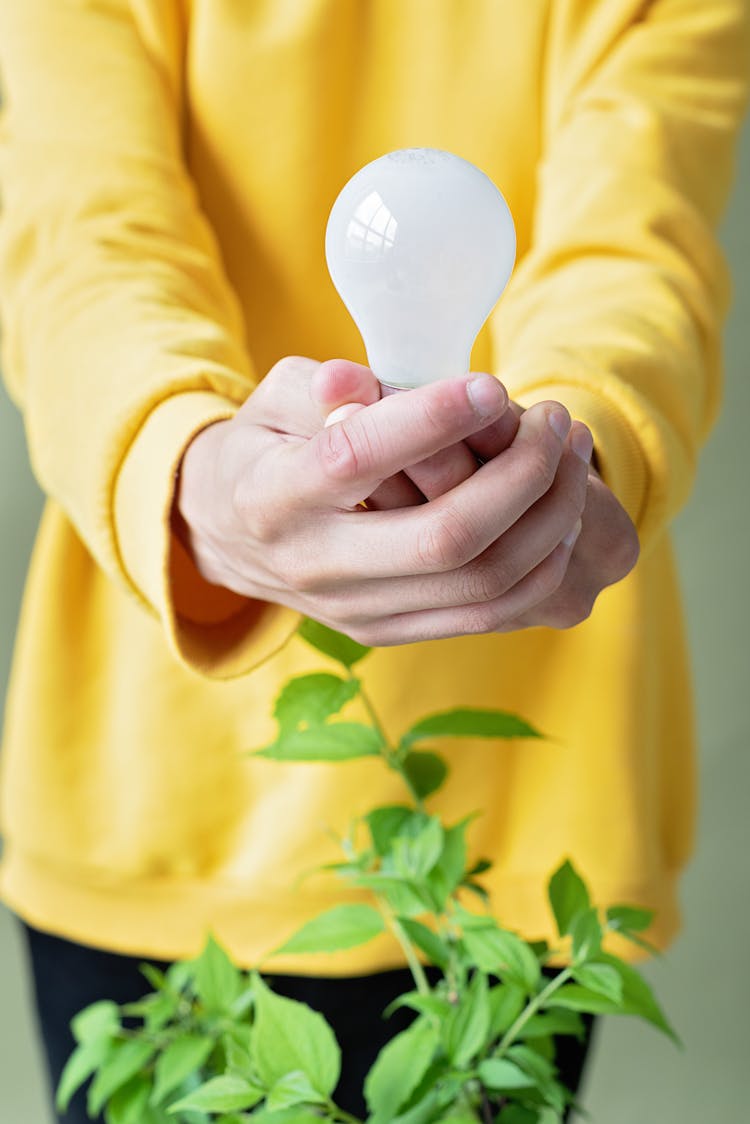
column 636, row 1075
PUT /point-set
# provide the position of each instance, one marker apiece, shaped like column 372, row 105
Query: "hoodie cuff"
column 215, row 632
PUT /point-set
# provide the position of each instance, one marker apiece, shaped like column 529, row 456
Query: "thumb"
column 339, row 382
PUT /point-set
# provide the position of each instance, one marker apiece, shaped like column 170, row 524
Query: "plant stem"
column 389, row 752
column 373, row 716
column 417, row 971
column 531, row 1008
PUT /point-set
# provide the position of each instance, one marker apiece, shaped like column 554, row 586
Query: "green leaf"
column 221, row 1094
column 426, row 772
column 503, row 953
column 292, row 1089
column 433, row 946
column 628, row 918
column 498, row 1073
column 385, row 823
column 506, row 1000
column 560, row 1021
column 637, row 996
column 295, row 1115
column 123, row 1062
column 236, row 1045
column 425, row 1004
column 217, row 981
column 531, row 1062
column 417, row 847
column 602, row 978
column 311, row 699
column 567, row 895
column 288, row 1035
column 182, row 1057
column 467, row 722
column 448, row 871
column 99, row 1020
column 465, row 1032
column 156, row 1009
column 422, row 1111
column 479, row 867
column 155, row 976
column 342, row 926
column 399, row 1068
column 402, row 894
column 180, row 974
column 331, row 643
column 574, row 997
column 86, row 1058
column 586, row 932
column 338, row 741
column 518, row 1114
column 477, row 889
column 128, row 1104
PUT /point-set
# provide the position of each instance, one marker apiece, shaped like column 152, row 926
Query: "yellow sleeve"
column 616, row 309
column 121, row 335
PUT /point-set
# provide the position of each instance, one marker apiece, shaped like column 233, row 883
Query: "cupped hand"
column 605, row 548
column 270, row 503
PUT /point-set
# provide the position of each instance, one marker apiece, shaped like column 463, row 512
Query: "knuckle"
column 258, row 520
column 366, row 634
column 340, row 461
column 626, row 551
column 294, row 572
column 292, row 366
column 576, row 609
column 483, row 618
column 551, row 574
column 570, row 505
column 581, row 609
column 445, row 542
column 486, row 581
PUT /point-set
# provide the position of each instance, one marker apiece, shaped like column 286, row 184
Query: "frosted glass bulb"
column 420, row 244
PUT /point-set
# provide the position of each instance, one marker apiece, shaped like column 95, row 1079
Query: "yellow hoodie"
column 167, row 171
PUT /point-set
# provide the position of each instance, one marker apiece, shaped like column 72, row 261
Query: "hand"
column 271, row 509
column 607, row 546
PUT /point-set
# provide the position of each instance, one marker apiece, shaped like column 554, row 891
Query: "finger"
column 341, row 413
column 554, row 519
column 498, row 436
column 397, row 491
column 443, row 470
column 344, row 464
column 450, row 467
column 446, row 533
column 282, row 400
column 339, row 381
column 504, row 614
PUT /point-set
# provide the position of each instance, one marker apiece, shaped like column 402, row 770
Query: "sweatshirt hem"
column 165, row 919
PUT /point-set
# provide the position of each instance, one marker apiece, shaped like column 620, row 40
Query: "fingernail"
column 559, row 421
column 573, row 534
column 582, row 443
column 487, row 395
column 342, row 412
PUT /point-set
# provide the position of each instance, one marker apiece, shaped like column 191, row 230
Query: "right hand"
column 270, row 505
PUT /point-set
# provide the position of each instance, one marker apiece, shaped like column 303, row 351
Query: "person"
column 169, row 333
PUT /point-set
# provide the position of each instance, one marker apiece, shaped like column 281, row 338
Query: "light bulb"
column 420, row 244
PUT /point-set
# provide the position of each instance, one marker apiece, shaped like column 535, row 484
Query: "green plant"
column 215, row 1043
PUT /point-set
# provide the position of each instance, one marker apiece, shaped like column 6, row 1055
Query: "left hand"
column 605, row 551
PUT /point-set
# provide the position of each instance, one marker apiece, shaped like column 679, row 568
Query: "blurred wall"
column 703, row 980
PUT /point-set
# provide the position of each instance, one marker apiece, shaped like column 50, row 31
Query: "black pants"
column 69, row 976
